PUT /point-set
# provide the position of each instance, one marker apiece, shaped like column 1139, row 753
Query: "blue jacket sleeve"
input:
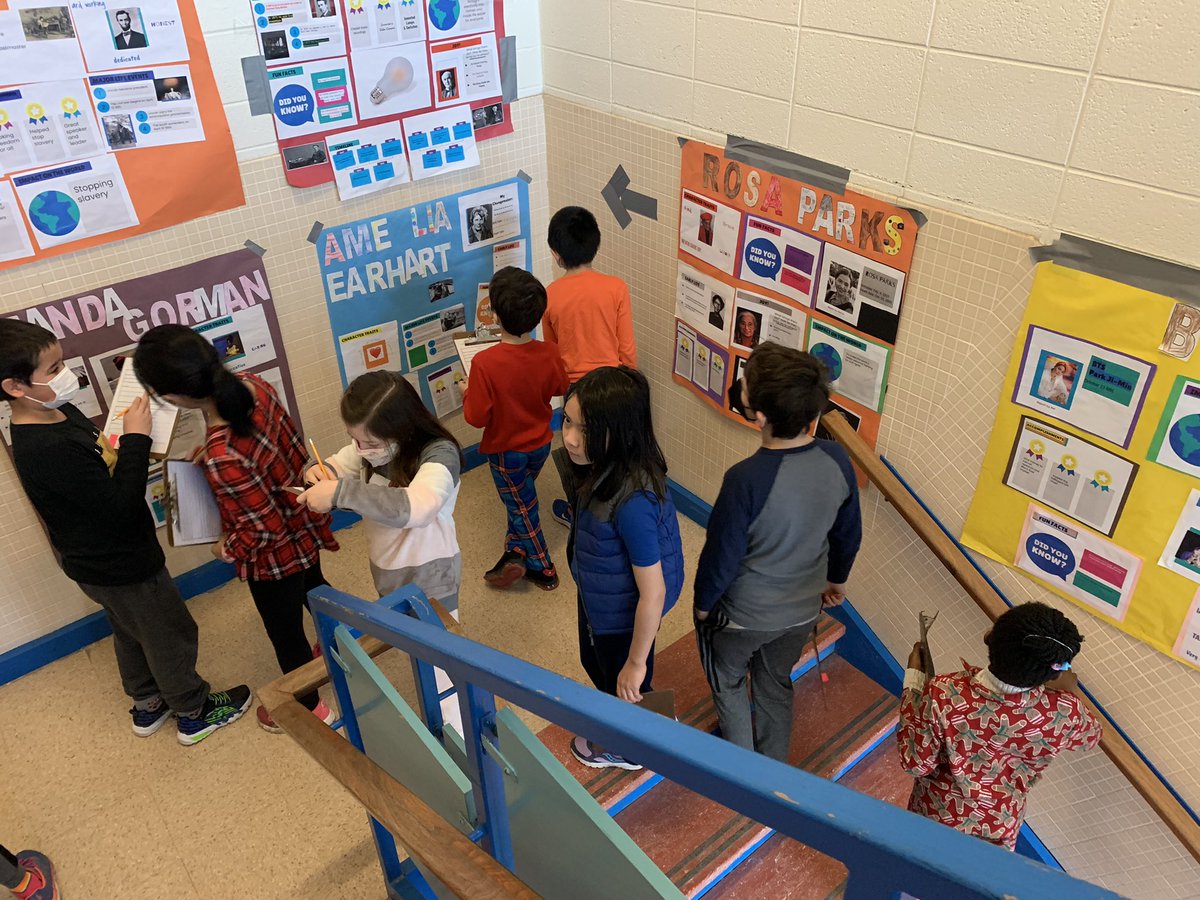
column 845, row 537
column 726, row 541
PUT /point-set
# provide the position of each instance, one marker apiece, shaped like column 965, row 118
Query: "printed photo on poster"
column 465, row 70
column 780, row 259
column 857, row 367
column 117, row 35
column 430, row 338
column 1076, row 562
column 486, row 116
column 441, row 141
column 390, row 80
column 370, row 349
column 705, row 303
column 38, row 39
column 709, row 231
column 367, row 159
column 685, row 350
column 1181, row 554
column 488, row 216
column 74, row 201
column 860, row 292
column 375, row 24
column 46, row 123
column 149, row 108
column 1098, row 390
column 298, row 30
column 1074, row 476
column 450, row 18
column 442, row 383
column 311, row 97
column 735, row 383
column 304, row 155
column 757, row 319
column 1176, row 441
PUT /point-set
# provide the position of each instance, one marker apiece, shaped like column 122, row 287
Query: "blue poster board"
column 399, row 285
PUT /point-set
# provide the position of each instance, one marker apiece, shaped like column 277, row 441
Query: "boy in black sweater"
column 92, row 500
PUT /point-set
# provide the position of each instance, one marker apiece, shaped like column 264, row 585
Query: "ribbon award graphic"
column 70, row 108
column 37, row 115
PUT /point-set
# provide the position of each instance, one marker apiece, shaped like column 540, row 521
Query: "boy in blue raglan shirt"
column 781, row 540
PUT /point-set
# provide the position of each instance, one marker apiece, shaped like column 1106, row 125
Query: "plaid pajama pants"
column 514, row 474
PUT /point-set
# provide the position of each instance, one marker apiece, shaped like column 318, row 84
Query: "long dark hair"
column 618, row 433
column 173, row 359
column 388, row 407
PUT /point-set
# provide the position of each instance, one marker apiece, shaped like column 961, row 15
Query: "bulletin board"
column 109, row 142
column 337, row 68
column 400, row 285
column 768, row 258
column 1089, row 481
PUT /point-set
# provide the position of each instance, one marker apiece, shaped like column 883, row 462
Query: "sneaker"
column 322, row 712
column 147, row 721
column 220, row 709
column 595, row 758
column 510, row 568
column 325, row 713
column 38, row 877
column 547, row 579
column 562, row 512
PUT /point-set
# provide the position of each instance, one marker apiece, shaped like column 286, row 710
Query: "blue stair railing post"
column 478, row 708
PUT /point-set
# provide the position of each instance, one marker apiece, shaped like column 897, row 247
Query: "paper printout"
column 757, row 319
column 14, row 237
column 242, row 339
column 116, row 35
column 1182, row 552
column 465, row 70
column 685, row 350
column 311, row 97
column 1187, row 645
column 148, row 108
column 700, row 368
column 1070, row 474
column 709, row 231
column 367, row 159
column 489, row 216
column 162, row 415
column 195, row 517
column 443, row 387
column 441, row 141
column 857, row 366
column 45, row 123
column 74, row 201
column 1176, row 441
column 390, row 80
column 779, row 258
column 511, row 253
column 370, row 349
column 450, row 18
column 156, row 496
column 704, row 302
column 38, row 38
column 850, row 282
column 430, row 338
column 468, row 346
column 85, row 401
column 292, row 31
column 375, row 24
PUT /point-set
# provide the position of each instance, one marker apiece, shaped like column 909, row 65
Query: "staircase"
column 841, row 730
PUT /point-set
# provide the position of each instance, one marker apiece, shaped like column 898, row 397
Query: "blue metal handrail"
column 886, row 849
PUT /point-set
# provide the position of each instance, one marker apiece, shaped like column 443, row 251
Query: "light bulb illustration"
column 397, row 77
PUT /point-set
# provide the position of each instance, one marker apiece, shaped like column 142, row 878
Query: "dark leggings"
column 603, row 656
column 10, row 872
column 281, row 606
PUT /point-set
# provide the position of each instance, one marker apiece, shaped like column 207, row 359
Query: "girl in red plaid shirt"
column 252, row 454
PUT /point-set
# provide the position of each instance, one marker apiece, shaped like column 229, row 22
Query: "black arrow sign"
column 623, row 201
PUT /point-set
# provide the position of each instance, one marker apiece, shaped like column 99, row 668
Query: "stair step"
column 785, row 868
column 695, row 840
column 678, row 668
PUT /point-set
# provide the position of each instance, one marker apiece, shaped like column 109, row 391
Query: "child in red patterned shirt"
column 977, row 740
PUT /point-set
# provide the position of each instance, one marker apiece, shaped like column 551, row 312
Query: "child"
column 28, row 874
column 782, row 537
column 401, row 473
column 508, row 396
column 92, row 501
column 252, row 455
column 588, row 314
column 624, row 548
column 977, row 740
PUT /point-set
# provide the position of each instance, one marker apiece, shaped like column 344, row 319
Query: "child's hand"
column 919, row 659
column 315, row 474
column 629, row 682
column 832, row 595
column 319, row 497
column 461, row 384
column 219, row 551
column 700, row 614
column 136, row 419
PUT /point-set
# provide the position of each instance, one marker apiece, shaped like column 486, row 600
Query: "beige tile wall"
column 35, row 597
column 967, row 292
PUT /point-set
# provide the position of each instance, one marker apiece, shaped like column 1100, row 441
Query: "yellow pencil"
column 317, row 454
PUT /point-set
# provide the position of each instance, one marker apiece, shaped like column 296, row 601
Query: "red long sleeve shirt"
column 509, row 392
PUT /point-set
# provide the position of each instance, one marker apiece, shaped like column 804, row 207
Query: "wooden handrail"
column 1126, row 759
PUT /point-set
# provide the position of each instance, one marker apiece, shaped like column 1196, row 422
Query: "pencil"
column 317, row 454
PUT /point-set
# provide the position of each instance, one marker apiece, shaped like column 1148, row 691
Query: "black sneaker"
column 220, row 709
column 148, row 721
column 508, row 570
column 546, row 579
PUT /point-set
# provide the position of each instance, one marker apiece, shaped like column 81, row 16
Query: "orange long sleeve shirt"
column 589, row 316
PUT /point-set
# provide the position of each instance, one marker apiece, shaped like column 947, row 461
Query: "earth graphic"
column 831, row 358
column 54, row 213
column 444, row 13
column 1185, row 439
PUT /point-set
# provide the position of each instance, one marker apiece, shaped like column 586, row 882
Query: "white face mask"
column 380, row 458
column 65, row 386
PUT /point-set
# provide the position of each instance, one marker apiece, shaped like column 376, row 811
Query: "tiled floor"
column 245, row 813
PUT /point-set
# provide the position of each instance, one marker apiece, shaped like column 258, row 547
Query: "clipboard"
column 192, row 513
column 926, row 622
column 470, row 344
column 661, row 702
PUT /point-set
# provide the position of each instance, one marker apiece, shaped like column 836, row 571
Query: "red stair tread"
column 678, row 668
column 694, row 839
column 786, row 869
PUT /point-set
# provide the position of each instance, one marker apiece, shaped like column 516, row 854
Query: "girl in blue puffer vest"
column 624, row 548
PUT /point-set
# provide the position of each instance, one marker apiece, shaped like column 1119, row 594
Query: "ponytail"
column 235, row 401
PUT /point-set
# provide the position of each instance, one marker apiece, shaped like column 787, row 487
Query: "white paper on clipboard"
column 192, row 515
column 469, row 346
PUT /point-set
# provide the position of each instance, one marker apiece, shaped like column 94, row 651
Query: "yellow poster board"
column 1088, row 481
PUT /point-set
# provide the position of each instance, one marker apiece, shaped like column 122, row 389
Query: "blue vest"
column 603, row 572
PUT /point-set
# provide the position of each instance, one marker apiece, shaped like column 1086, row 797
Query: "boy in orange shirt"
column 588, row 314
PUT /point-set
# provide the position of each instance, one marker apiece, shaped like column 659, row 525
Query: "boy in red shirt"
column 508, row 396
column 588, row 313
column 978, row 740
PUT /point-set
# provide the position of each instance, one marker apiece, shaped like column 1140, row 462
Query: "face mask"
column 380, row 458
column 65, row 386
column 736, row 404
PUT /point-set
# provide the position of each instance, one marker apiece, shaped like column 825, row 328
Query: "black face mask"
column 735, row 401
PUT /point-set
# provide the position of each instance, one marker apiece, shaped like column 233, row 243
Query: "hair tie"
column 1061, row 667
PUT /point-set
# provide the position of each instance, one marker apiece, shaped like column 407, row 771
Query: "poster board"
column 399, row 286
column 335, row 66
column 225, row 298
column 107, row 143
column 1088, row 482
column 768, row 258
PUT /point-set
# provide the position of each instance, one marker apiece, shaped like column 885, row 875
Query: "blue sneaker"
column 147, row 721
column 39, row 880
column 595, row 758
column 562, row 512
column 220, row 709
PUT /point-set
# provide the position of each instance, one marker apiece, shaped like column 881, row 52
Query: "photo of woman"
column 747, row 328
column 1057, row 382
column 479, row 220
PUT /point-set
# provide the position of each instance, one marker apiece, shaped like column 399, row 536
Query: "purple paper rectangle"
column 799, row 259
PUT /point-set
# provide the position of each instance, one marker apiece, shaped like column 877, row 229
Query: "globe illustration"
column 831, row 358
column 54, row 213
column 444, row 13
column 1185, row 439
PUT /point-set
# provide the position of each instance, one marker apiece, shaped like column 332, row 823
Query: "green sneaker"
column 220, row 709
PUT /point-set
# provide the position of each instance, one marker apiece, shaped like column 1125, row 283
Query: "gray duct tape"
column 508, row 68
column 920, row 217
column 682, row 140
column 524, row 176
column 791, row 165
column 612, row 196
column 258, row 88
column 256, row 249
column 315, row 232
column 1146, row 272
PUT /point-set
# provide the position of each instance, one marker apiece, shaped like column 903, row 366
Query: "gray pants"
column 729, row 655
column 156, row 641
